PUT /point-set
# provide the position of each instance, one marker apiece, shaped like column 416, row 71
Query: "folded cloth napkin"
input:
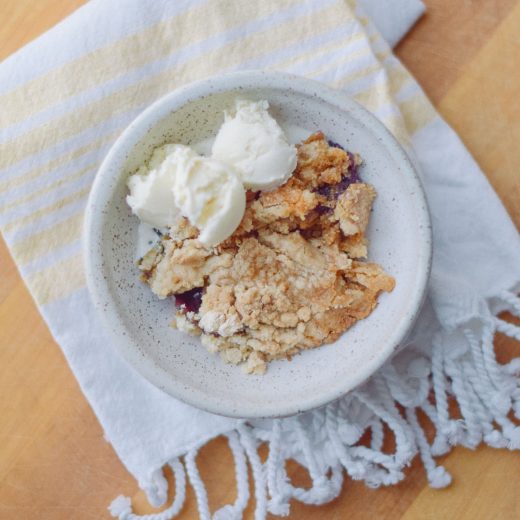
column 67, row 96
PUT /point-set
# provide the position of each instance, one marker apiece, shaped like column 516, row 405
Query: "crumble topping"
column 292, row 276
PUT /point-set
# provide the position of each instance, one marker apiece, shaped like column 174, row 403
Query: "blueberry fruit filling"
column 353, row 169
column 333, row 191
column 189, row 301
column 322, row 209
column 335, row 145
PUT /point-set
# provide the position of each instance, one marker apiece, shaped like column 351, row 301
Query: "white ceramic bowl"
column 399, row 233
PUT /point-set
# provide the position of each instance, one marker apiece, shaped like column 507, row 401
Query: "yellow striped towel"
column 65, row 99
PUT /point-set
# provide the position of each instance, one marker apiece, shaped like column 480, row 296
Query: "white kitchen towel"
column 66, row 97
column 394, row 18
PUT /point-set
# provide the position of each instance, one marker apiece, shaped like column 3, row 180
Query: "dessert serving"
column 262, row 245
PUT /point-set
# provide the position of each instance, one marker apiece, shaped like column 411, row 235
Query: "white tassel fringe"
column 462, row 367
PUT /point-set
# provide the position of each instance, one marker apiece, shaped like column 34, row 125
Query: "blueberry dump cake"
column 289, row 272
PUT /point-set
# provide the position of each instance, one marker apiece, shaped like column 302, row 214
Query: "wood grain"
column 54, row 462
column 447, row 38
column 24, row 20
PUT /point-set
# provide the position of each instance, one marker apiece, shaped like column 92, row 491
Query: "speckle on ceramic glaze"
column 177, row 363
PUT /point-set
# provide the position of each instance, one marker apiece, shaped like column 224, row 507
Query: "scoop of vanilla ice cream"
column 151, row 197
column 253, row 142
column 210, row 194
column 177, row 181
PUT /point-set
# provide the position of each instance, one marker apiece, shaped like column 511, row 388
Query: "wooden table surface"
column 54, row 463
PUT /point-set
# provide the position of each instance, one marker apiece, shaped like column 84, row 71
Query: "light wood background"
column 54, row 463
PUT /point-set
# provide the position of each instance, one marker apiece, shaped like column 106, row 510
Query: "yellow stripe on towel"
column 58, row 281
column 136, row 50
column 48, row 240
column 219, row 59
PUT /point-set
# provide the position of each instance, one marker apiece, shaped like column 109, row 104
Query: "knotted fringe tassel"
column 461, row 366
column 121, row 507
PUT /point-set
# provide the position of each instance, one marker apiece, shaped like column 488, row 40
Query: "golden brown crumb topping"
column 290, row 277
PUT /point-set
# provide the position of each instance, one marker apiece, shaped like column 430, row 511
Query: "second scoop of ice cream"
column 253, row 142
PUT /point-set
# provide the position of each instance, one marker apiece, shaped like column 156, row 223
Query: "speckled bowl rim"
column 99, row 290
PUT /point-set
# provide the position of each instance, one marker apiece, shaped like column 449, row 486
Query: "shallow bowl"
column 399, row 234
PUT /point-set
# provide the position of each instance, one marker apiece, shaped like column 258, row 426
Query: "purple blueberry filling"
column 322, row 209
column 335, row 145
column 333, row 191
column 325, row 190
column 353, row 169
column 190, row 300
